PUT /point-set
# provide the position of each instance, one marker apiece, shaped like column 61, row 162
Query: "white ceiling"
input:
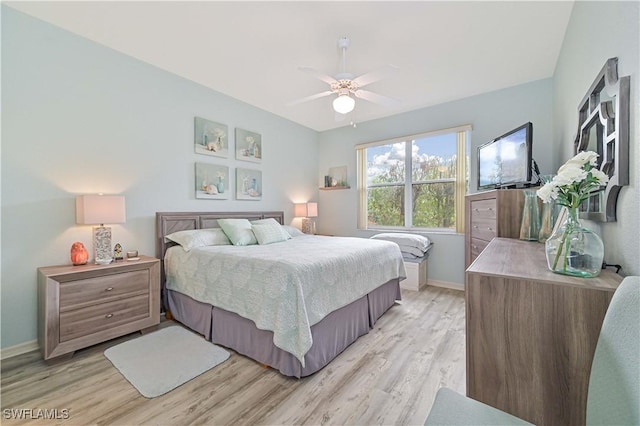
column 252, row 50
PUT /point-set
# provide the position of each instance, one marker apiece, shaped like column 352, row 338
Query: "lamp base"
column 308, row 226
column 102, row 245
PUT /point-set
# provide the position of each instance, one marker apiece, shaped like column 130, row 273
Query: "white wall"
column 491, row 115
column 598, row 31
column 80, row 118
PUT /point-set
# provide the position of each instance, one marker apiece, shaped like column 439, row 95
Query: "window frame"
column 460, row 181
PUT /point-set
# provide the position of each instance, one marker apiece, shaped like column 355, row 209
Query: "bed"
column 292, row 305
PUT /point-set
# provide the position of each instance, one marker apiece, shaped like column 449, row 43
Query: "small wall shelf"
column 331, row 188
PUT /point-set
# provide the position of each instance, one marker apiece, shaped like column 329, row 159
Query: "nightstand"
column 80, row 306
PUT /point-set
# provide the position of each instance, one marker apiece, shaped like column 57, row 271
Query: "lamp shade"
column 100, row 209
column 344, row 104
column 300, row 210
column 312, row 209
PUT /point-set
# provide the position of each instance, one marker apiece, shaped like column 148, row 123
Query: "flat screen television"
column 506, row 160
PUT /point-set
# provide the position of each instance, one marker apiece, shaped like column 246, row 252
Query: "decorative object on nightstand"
column 79, row 254
column 117, row 252
column 573, row 249
column 98, row 210
column 305, row 211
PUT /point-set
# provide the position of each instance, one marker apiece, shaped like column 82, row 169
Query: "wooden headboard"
column 169, row 222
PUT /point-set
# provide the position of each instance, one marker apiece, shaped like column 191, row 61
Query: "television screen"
column 506, row 161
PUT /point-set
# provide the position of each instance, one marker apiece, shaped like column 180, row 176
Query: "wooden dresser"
column 491, row 214
column 531, row 334
column 79, row 306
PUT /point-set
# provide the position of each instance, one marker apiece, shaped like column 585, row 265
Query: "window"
column 414, row 182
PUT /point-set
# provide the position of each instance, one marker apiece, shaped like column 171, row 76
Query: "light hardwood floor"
column 389, row 376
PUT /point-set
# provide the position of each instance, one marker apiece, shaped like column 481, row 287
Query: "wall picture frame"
column 211, row 181
column 248, row 146
column 248, row 184
column 211, row 138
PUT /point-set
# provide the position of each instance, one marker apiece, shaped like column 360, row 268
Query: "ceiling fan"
column 345, row 84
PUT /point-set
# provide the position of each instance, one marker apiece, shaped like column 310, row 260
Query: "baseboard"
column 25, row 347
column 20, row 349
column 445, row 284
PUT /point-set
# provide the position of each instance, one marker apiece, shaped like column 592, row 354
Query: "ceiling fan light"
column 344, row 104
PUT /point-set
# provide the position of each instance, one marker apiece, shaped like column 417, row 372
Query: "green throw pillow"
column 269, row 232
column 239, row 231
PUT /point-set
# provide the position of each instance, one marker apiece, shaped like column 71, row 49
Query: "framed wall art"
column 211, row 138
column 248, row 184
column 212, row 182
column 248, row 146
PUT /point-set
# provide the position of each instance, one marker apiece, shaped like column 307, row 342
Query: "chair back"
column 614, row 384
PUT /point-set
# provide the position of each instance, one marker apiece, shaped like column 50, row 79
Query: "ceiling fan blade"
column 373, row 76
column 377, row 99
column 317, row 74
column 310, row 98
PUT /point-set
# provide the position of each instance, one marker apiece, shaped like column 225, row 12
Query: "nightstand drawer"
column 92, row 319
column 90, row 291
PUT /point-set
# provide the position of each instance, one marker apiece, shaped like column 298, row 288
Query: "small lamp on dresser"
column 305, row 211
column 98, row 210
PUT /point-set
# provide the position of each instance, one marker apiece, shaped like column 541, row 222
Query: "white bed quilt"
column 285, row 287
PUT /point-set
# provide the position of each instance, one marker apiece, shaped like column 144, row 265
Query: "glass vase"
column 549, row 214
column 573, row 249
column 530, row 224
column 547, row 220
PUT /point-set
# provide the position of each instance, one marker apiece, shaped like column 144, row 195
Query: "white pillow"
column 292, row 230
column 193, row 238
column 239, row 231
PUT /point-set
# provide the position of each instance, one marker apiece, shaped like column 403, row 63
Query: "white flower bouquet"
column 572, row 249
column 576, row 180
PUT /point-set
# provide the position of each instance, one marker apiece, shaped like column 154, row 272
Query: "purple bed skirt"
column 331, row 336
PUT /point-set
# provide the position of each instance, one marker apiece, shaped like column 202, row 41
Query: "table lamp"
column 98, row 210
column 307, row 210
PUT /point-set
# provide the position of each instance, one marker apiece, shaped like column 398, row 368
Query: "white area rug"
column 158, row 362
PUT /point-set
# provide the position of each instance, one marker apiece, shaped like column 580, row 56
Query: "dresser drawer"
column 483, row 229
column 483, row 209
column 477, row 246
column 96, row 318
column 90, row 291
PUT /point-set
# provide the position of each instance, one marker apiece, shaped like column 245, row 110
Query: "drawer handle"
column 476, row 209
column 109, row 289
column 490, row 229
column 475, row 226
column 475, row 247
column 108, row 315
column 490, row 208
